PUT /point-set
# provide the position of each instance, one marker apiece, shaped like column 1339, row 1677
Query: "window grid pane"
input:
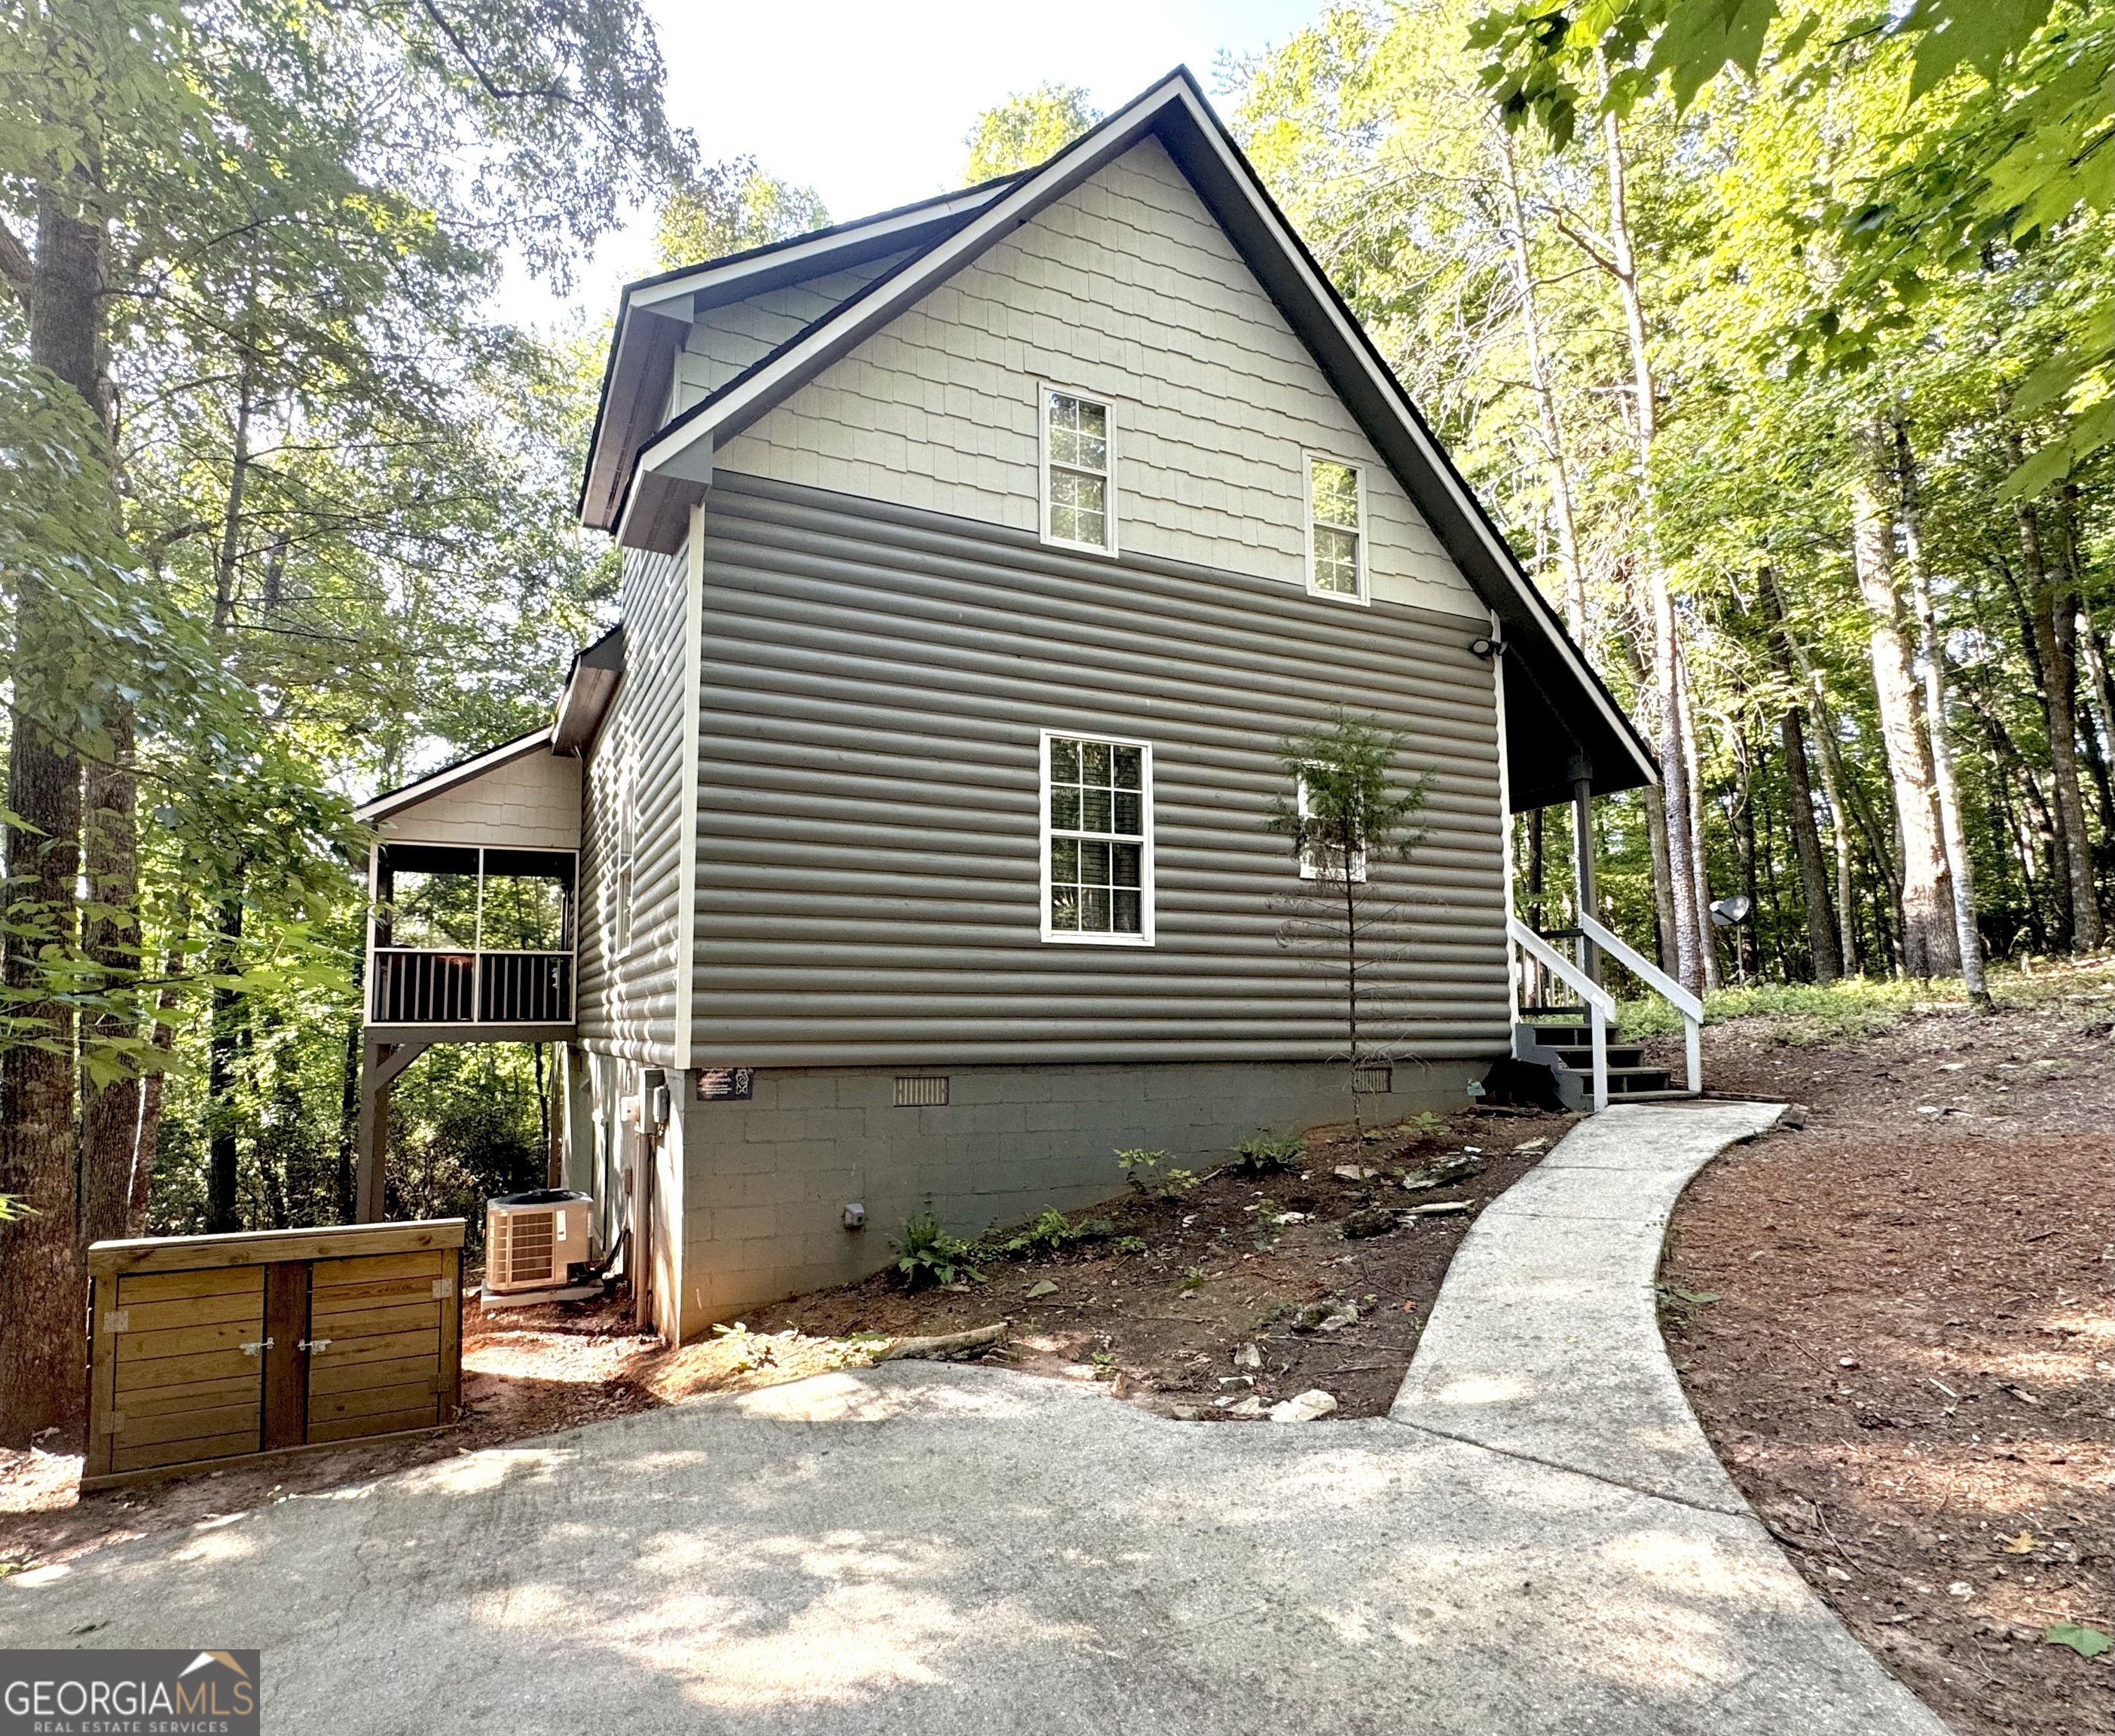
column 1077, row 444
column 1097, row 821
column 1333, row 505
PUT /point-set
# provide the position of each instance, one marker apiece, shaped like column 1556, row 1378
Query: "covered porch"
column 472, row 935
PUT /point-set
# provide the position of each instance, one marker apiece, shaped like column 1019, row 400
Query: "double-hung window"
column 1079, row 471
column 1097, row 840
column 1323, row 861
column 1336, row 529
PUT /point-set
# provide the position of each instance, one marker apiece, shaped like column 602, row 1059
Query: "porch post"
column 380, row 1065
column 374, row 1148
column 1586, row 899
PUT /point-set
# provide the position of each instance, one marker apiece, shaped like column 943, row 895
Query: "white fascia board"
column 412, row 794
column 1392, row 390
column 867, row 313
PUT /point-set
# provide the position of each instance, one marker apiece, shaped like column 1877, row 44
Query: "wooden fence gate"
column 209, row 1349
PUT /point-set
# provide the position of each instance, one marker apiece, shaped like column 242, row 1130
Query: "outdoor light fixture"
column 1487, row 647
column 1731, row 912
column 854, row 1216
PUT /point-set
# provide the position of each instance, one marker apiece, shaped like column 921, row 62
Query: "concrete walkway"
column 1536, row 1543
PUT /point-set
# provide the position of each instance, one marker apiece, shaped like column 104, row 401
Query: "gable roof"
column 434, row 783
column 1557, row 709
column 654, row 314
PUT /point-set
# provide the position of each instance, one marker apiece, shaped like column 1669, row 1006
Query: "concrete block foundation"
column 765, row 1181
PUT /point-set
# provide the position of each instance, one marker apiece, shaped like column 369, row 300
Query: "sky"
column 869, row 103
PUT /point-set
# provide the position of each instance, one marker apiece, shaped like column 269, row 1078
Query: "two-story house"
column 906, row 842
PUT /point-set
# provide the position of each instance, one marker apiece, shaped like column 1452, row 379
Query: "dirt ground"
column 1166, row 1302
column 1905, row 1361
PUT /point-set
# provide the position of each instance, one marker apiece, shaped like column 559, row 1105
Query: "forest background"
column 1777, row 340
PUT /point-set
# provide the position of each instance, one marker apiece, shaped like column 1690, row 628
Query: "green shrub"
column 1143, row 1170
column 928, row 1254
column 1263, row 1153
column 1051, row 1231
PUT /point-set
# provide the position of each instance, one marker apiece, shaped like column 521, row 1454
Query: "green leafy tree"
column 1024, row 130
column 246, row 241
column 728, row 208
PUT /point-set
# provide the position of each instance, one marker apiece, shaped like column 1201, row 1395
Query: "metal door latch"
column 314, row 1344
column 255, row 1345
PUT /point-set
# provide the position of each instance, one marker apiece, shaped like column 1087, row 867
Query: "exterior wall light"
column 1487, row 647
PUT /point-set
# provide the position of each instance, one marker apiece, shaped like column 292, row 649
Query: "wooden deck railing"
column 411, row 986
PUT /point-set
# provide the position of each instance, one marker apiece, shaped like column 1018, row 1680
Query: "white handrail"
column 1575, row 978
column 1600, row 1003
column 1688, row 1005
column 1643, row 968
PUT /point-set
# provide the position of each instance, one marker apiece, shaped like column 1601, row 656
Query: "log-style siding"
column 627, row 970
column 875, row 678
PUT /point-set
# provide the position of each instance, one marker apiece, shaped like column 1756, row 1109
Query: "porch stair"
column 1555, row 1036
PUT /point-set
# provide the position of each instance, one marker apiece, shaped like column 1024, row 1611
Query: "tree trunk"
column 2053, row 610
column 1928, row 945
column 1545, row 396
column 1666, row 649
column 42, row 1312
column 1823, row 944
column 1953, row 835
column 110, row 1112
column 223, row 1048
column 1700, row 882
column 1662, row 878
column 2097, row 721
column 1743, row 846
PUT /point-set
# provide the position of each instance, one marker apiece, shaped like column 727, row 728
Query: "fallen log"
column 945, row 1344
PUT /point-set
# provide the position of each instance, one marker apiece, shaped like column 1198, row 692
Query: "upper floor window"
column 1336, row 529
column 1097, row 840
column 1079, row 495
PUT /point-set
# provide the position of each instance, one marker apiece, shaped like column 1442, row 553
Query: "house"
column 905, row 842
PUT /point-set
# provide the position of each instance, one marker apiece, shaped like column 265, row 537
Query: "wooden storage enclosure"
column 206, row 1350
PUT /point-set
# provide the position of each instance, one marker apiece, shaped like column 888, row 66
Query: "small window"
column 1336, row 529
column 1097, row 840
column 1079, row 499
column 1319, row 862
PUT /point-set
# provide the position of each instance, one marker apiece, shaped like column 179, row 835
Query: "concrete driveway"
column 928, row 1548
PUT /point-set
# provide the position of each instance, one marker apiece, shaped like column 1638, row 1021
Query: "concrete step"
column 1580, row 1055
column 1637, row 1081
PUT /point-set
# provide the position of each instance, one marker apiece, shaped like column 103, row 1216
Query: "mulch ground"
column 1212, row 1303
column 1240, row 1292
column 1906, row 1365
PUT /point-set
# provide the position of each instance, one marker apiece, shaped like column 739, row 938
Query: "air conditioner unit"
column 531, row 1239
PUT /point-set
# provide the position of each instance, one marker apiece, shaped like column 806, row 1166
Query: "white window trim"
column 1043, row 389
column 1064, row 937
column 1308, row 459
column 1309, row 868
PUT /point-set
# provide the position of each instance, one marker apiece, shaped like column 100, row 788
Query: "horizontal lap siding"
column 875, row 680
column 627, row 993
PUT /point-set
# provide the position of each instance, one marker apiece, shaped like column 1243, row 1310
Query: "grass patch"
column 1803, row 1015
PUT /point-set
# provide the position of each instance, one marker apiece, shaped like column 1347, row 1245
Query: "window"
column 1097, row 840
column 1079, row 503
column 1319, row 861
column 1336, row 529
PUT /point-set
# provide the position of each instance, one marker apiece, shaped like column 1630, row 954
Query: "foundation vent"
column 1377, row 1080
column 921, row 1093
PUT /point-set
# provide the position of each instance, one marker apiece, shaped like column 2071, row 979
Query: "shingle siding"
column 531, row 803
column 1127, row 288
column 875, row 683
column 725, row 340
